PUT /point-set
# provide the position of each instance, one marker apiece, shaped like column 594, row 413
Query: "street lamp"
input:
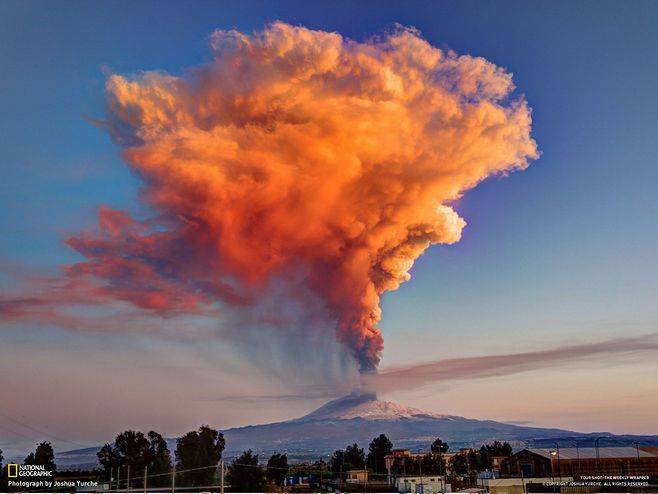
column 596, row 447
column 553, row 453
column 577, row 456
column 559, row 469
column 637, row 449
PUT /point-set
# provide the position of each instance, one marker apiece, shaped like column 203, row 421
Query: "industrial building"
column 575, row 462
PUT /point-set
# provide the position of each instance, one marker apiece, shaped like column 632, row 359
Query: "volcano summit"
column 360, row 417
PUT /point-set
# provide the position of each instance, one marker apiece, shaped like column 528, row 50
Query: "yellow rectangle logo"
column 12, row 470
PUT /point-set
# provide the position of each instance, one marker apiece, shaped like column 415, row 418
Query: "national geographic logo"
column 28, row 471
column 29, row 476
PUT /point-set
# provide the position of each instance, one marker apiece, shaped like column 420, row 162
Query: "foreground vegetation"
column 135, row 459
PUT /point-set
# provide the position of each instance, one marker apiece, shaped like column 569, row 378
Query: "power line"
column 38, row 431
column 16, row 432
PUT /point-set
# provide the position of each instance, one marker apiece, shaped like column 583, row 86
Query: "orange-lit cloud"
column 302, row 156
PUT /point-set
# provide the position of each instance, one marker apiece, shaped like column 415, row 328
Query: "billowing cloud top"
column 297, row 154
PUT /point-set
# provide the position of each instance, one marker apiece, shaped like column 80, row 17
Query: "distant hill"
column 359, row 418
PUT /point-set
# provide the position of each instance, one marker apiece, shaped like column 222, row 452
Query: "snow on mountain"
column 357, row 418
column 368, row 407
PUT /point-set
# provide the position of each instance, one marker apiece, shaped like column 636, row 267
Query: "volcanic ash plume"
column 300, row 151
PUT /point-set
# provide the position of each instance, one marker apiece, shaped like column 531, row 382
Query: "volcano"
column 358, row 418
column 361, row 417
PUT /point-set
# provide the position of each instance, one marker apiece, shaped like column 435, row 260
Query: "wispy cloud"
column 417, row 375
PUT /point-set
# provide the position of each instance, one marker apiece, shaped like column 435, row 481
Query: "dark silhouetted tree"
column 351, row 458
column 337, row 461
column 43, row 455
column 439, row 447
column 132, row 448
column 245, row 475
column 378, row 449
column 459, row 464
column 109, row 459
column 488, row 451
column 426, row 464
column 2, row 474
column 158, row 460
column 277, row 468
column 196, row 450
column 355, row 457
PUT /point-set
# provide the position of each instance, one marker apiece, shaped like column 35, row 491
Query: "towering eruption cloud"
column 296, row 151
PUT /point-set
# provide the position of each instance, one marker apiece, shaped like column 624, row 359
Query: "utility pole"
column 420, row 471
column 320, row 485
column 173, row 479
column 443, row 469
column 596, row 447
column 559, row 467
column 221, row 476
column 340, row 477
column 128, row 480
column 146, row 470
column 637, row 450
column 111, row 474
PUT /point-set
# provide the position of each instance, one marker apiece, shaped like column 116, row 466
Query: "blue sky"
column 564, row 251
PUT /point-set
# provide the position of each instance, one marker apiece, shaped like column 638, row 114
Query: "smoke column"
column 301, row 157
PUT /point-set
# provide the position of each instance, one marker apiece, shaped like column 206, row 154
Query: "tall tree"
column 200, row 450
column 459, row 464
column 488, row 451
column 337, row 461
column 109, row 459
column 132, row 449
column 158, row 460
column 355, row 457
column 378, row 449
column 439, row 447
column 351, row 458
column 43, row 455
column 277, row 468
column 3, row 487
column 427, row 464
column 245, row 475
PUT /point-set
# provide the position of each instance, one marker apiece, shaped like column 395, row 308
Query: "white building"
column 427, row 484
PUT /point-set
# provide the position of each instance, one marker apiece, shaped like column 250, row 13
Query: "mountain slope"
column 360, row 417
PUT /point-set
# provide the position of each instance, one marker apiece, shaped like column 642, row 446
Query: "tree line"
column 42, row 455
column 198, row 453
column 466, row 462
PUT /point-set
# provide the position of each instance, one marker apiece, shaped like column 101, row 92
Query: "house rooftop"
column 590, row 453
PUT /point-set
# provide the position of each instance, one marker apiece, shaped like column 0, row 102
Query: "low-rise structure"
column 356, row 476
column 425, row 484
column 517, row 485
column 569, row 462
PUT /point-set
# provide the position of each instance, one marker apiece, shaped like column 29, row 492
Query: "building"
column 518, row 485
column 574, row 462
column 356, row 476
column 497, row 461
column 426, row 484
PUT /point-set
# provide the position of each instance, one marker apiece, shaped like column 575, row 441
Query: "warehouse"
column 575, row 462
